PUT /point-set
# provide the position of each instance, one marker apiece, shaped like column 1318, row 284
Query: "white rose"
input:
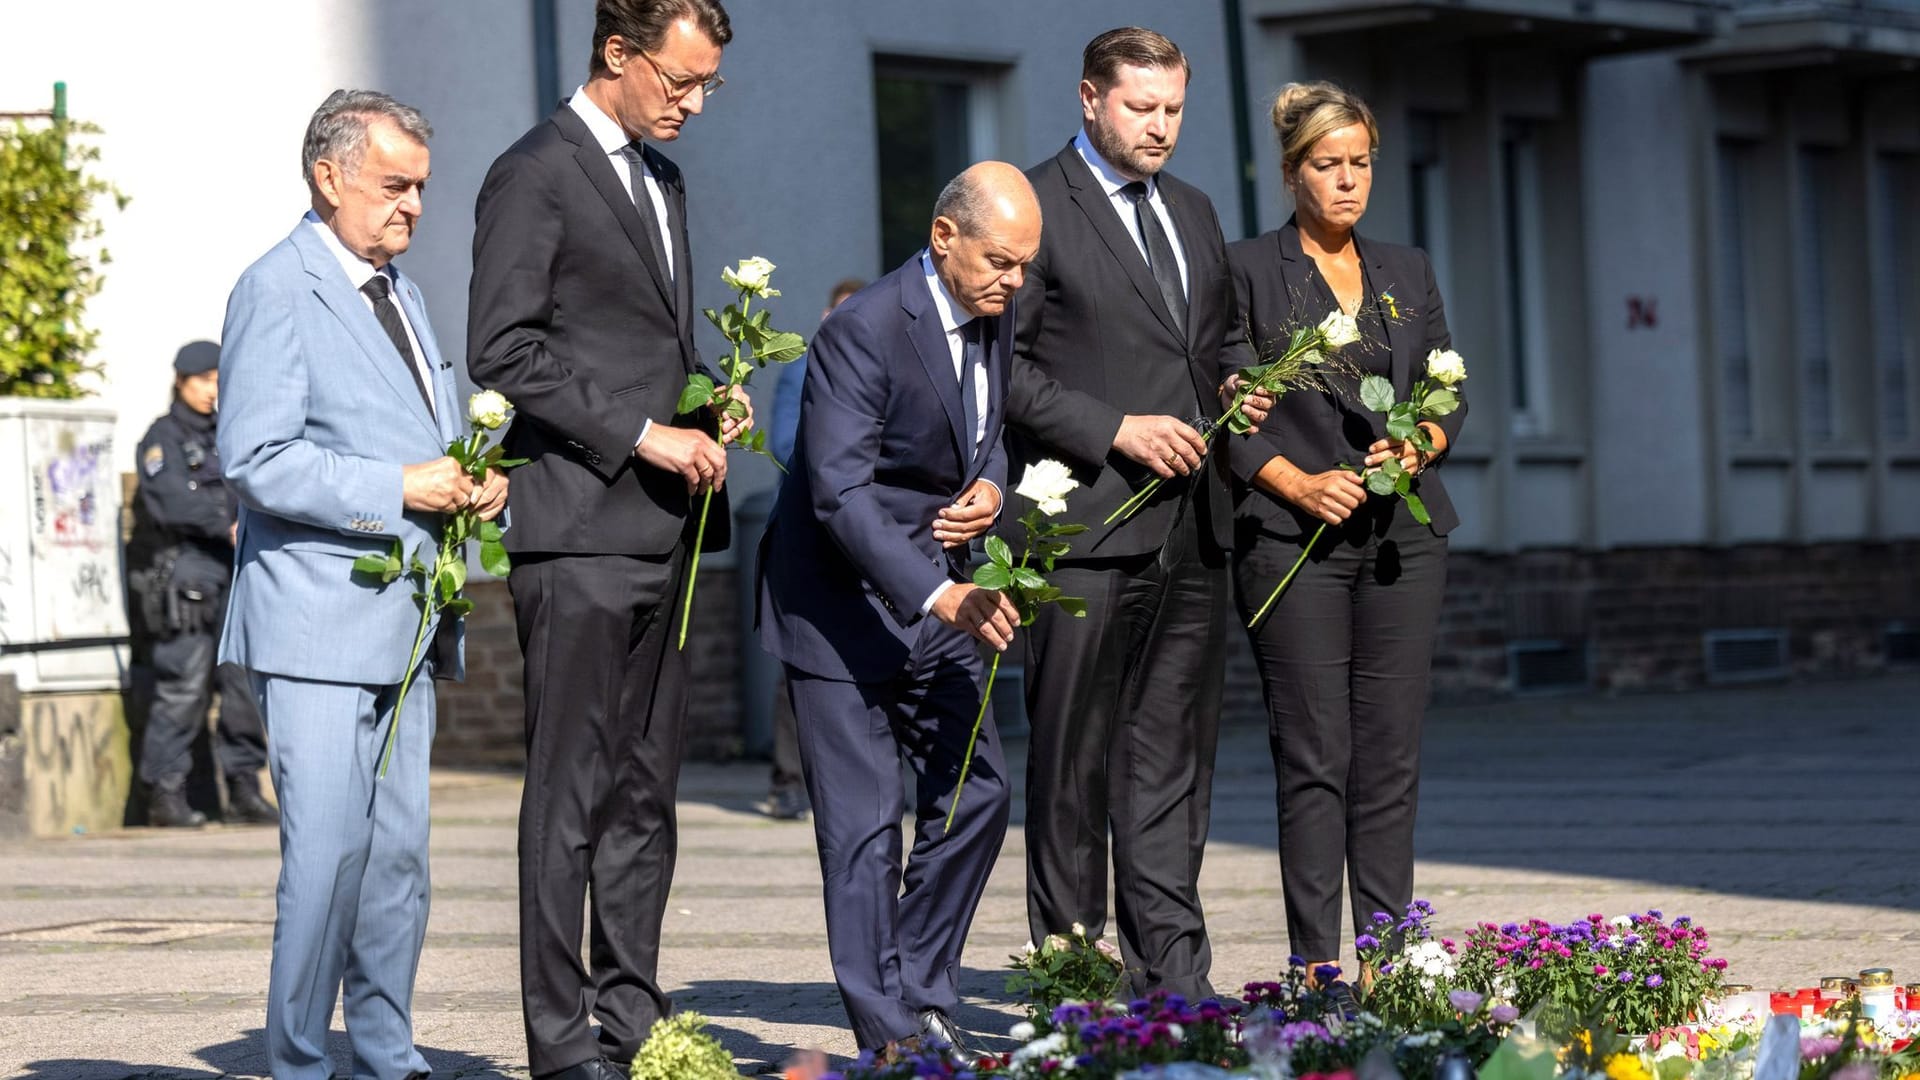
column 1339, row 329
column 1445, row 367
column 488, row 409
column 752, row 275
column 1047, row 483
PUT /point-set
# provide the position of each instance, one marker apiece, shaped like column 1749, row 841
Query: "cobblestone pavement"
column 1782, row 817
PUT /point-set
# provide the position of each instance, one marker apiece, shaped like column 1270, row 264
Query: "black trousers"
column 606, row 702
column 896, row 936
column 786, row 741
column 1345, row 660
column 185, row 677
column 1125, row 712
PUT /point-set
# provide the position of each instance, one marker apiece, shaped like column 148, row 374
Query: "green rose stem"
column 693, row 570
column 1272, row 377
column 980, row 717
column 1282, row 587
column 427, row 611
column 700, row 534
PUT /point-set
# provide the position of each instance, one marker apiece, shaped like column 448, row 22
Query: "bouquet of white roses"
column 754, row 345
column 1433, row 396
column 440, row 585
column 1307, row 349
column 1025, row 582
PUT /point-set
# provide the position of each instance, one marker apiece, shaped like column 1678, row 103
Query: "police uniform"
column 180, row 563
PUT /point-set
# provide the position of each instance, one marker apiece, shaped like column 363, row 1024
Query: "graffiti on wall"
column 74, row 531
column 77, row 766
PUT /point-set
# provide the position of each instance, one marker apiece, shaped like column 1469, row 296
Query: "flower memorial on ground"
column 1634, row 997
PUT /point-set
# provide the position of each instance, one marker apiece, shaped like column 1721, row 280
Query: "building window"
column 932, row 119
column 1525, row 269
column 1894, row 326
column 1816, row 193
column 1730, row 289
column 1427, row 187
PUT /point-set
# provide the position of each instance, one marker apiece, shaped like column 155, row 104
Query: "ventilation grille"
column 1548, row 666
column 1746, row 655
column 1903, row 644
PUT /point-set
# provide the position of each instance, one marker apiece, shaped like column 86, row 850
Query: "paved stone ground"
column 1784, row 818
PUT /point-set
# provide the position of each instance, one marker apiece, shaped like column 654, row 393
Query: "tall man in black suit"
column 581, row 313
column 1126, row 339
column 898, row 467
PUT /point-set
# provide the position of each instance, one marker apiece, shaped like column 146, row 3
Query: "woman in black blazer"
column 1345, row 654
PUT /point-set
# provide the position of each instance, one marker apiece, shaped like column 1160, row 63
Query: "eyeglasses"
column 677, row 88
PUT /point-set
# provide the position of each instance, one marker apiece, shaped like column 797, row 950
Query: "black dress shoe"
column 1341, row 996
column 936, row 1028
column 591, row 1069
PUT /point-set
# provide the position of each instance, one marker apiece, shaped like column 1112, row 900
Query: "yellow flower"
column 1627, row 1067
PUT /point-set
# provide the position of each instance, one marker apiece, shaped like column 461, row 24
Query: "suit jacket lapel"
column 996, row 363
column 599, row 172
column 673, row 184
column 446, row 395
column 1399, row 345
column 340, row 297
column 1092, row 200
column 1189, row 227
column 1296, row 272
column 930, row 341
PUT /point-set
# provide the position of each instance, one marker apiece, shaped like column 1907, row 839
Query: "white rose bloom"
column 752, row 275
column 488, row 409
column 1047, row 483
column 1340, row 329
column 1445, row 367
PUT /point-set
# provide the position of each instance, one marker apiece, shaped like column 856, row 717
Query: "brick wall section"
column 1642, row 611
column 481, row 720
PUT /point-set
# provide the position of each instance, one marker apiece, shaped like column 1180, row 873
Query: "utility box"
column 63, row 612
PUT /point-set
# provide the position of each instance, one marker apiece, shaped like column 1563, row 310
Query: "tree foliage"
column 49, row 268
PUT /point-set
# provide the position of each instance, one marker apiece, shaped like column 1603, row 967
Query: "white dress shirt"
column 613, row 139
column 359, row 271
column 954, row 320
column 1111, row 182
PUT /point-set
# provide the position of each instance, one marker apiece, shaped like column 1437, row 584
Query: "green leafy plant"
column 1071, row 967
column 678, row 1049
column 48, row 219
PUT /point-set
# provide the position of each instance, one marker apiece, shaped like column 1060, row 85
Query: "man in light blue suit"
column 338, row 410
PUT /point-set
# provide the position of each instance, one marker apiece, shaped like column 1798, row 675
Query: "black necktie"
column 1160, row 260
column 971, row 354
column 643, row 202
column 379, row 290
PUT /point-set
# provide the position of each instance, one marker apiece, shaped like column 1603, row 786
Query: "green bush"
column 677, row 1049
column 47, row 220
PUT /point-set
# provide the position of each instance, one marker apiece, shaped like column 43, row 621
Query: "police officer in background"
column 180, row 563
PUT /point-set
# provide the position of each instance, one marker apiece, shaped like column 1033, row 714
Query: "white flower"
column 1079, row 929
column 1622, row 921
column 1023, row 1031
column 1179, row 1033
column 1445, row 367
column 751, row 276
column 1339, row 329
column 488, row 409
column 1047, row 483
